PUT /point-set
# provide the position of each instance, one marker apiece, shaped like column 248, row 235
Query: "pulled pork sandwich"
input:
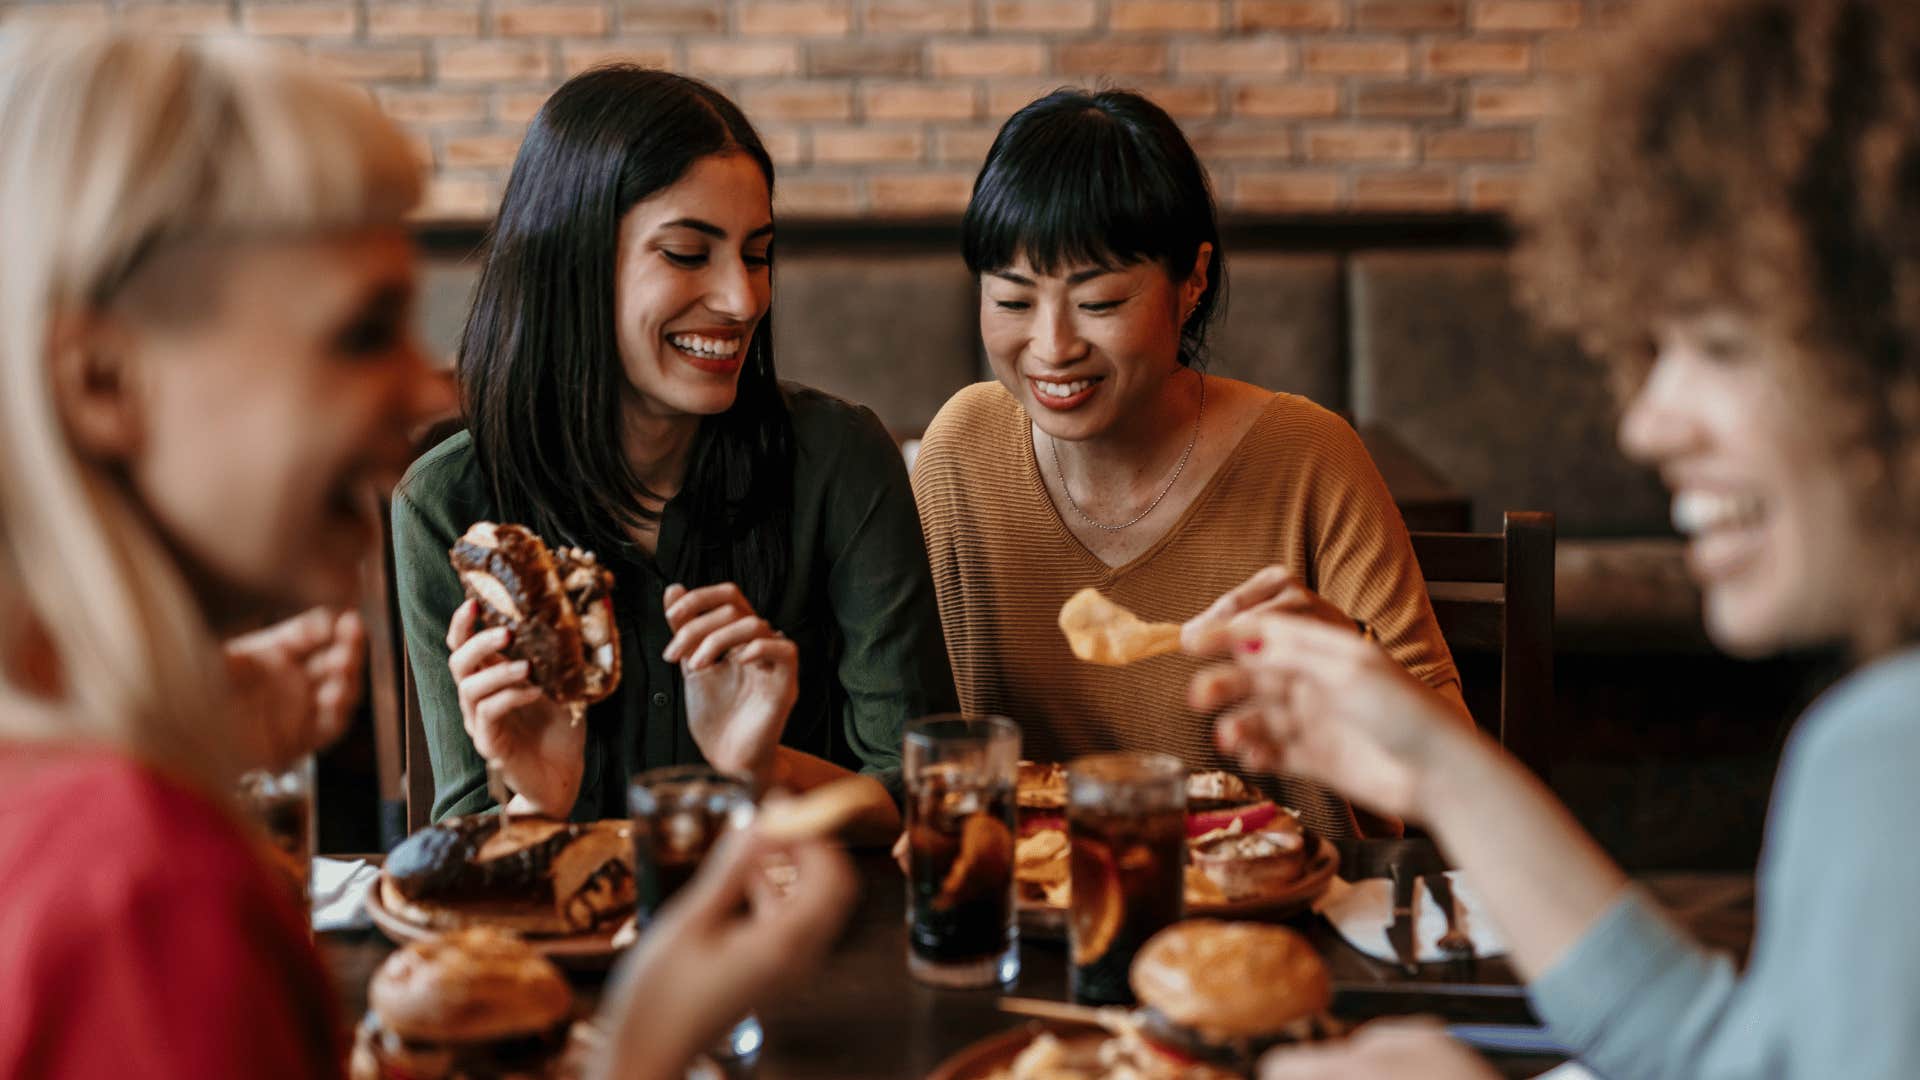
column 558, row 603
column 532, row 875
column 1219, row 994
column 465, row 1005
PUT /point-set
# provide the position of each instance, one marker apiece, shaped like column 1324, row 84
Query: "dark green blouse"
column 858, row 601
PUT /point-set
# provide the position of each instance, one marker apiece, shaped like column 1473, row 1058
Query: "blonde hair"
column 113, row 145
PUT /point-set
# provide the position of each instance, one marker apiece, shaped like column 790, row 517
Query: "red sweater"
column 139, row 936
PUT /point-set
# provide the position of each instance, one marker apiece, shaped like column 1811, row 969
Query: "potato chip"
column 1102, row 632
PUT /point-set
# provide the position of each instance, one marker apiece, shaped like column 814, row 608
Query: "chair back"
column 1492, row 594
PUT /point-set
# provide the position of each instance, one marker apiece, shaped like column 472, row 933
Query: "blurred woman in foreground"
column 1735, row 217
column 205, row 355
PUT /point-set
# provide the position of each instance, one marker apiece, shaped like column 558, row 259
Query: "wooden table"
column 861, row 1016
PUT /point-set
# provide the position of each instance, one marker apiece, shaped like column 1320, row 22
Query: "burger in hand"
column 558, row 603
column 466, row 1005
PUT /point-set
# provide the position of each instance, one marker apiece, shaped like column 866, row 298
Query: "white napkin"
column 339, row 893
column 1361, row 911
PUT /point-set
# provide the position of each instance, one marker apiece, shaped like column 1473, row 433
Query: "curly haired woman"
column 1734, row 216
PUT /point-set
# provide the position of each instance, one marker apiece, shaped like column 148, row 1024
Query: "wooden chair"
column 1493, row 596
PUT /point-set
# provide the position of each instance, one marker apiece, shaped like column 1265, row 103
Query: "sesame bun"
column 469, row 986
column 1231, row 980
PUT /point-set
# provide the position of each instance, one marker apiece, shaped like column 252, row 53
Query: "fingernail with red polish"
column 1251, row 645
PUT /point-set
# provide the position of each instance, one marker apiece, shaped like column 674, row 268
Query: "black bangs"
column 1104, row 179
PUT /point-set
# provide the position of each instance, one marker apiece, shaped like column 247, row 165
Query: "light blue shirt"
column 1833, row 989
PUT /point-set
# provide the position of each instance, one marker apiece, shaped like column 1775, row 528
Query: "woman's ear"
column 1196, row 284
column 90, row 361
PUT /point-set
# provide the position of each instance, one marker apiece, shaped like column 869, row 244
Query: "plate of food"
column 1248, row 858
column 565, row 887
column 1213, row 996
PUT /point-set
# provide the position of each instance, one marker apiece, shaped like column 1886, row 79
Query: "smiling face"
column 693, row 283
column 1086, row 349
column 1773, row 539
column 253, row 427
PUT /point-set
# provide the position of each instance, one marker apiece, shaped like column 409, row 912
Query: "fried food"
column 1102, row 632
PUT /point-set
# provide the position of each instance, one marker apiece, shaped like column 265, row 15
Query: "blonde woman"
column 204, row 355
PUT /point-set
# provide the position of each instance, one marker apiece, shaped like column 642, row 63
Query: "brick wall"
column 888, row 106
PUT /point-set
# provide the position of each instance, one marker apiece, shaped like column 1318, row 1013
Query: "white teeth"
column 710, row 348
column 1063, row 390
column 1695, row 512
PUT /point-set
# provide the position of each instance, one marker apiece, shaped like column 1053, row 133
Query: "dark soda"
column 960, row 870
column 1128, row 878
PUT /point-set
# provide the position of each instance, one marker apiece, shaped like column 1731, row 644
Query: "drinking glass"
column 1127, row 857
column 279, row 802
column 679, row 813
column 961, row 776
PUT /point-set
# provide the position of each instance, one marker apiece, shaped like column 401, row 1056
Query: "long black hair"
column 1103, row 178
column 540, row 374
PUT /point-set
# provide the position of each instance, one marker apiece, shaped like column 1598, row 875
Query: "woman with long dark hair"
column 1105, row 456
column 776, row 613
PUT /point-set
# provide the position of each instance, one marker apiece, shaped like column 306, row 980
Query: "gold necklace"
column 1178, row 467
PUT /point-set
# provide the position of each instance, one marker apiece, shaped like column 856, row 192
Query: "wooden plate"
column 1042, row 922
column 583, row 951
column 981, row 1059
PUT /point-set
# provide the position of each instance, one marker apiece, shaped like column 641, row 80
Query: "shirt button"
column 659, row 699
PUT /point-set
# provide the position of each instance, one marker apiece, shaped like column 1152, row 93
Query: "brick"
column 427, row 107
column 1567, row 54
column 816, row 196
column 1526, row 14
column 929, row 193
column 744, row 58
column 177, row 18
column 1040, row 15
column 551, row 20
column 518, row 108
column 850, row 146
column 459, row 199
column 1479, row 58
column 1478, row 144
column 919, row 16
column 987, row 58
column 372, row 63
column 804, row 18
column 1259, row 57
column 493, row 61
column 800, row 101
column 1289, row 14
column 920, row 101
column 1410, row 14
column 1241, row 144
column 1111, row 58
column 1496, row 191
column 300, row 20
column 1184, row 101
column 1287, row 191
column 964, row 146
column 1149, row 16
column 851, row 58
column 1425, row 190
column 1524, row 101
column 1417, row 99
column 1287, row 99
column 69, row 14
column 1356, row 57
column 787, row 146
column 1360, row 143
column 576, row 57
column 397, row 21
column 673, row 16
column 479, row 151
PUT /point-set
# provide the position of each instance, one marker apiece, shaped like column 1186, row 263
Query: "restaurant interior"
column 1372, row 163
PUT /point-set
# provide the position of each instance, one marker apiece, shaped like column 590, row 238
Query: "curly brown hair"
column 1763, row 156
